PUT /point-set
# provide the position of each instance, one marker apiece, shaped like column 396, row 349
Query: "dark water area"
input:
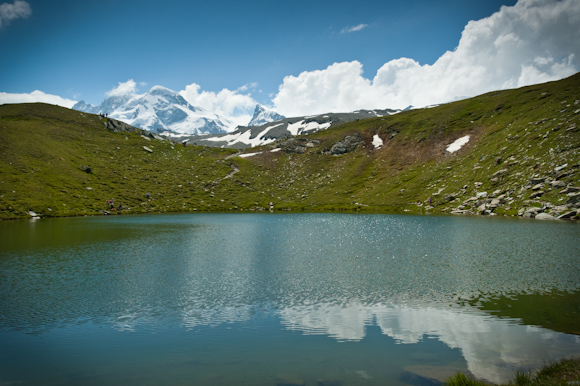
column 284, row 299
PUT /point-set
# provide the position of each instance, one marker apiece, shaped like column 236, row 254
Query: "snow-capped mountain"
column 263, row 116
column 245, row 137
column 160, row 110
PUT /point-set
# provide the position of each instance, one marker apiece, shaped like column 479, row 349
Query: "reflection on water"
column 248, row 297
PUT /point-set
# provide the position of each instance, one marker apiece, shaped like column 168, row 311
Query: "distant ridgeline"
column 510, row 152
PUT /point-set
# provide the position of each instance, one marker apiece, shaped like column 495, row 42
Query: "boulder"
column 574, row 200
column 557, row 184
column 348, row 144
column 544, row 216
column 118, row 126
column 567, row 215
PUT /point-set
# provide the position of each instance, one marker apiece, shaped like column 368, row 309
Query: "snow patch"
column 377, row 141
column 249, row 154
column 458, row 144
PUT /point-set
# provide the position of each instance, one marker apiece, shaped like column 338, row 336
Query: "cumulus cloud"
column 124, row 88
column 17, row 10
column 234, row 105
column 533, row 41
column 36, row 96
column 354, row 28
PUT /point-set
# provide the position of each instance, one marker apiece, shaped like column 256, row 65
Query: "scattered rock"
column 537, row 194
column 557, row 184
column 538, row 186
column 147, row 149
column 86, row 169
column 481, row 195
column 144, row 137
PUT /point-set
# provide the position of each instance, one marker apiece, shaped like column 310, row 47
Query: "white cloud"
column 124, row 88
column 19, row 9
column 533, row 41
column 233, row 105
column 354, row 28
column 36, row 96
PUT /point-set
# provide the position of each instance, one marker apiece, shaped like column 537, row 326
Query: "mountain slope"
column 245, row 137
column 515, row 152
column 160, row 110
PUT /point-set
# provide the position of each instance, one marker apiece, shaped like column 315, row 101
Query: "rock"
column 118, row 126
column 450, row 197
column 144, row 137
column 32, row 213
column 531, row 212
column 481, row 209
column 461, row 211
column 536, row 194
column 557, row 184
column 537, row 180
column 495, row 203
column 567, row 215
column 538, row 186
column 147, row 149
column 574, row 200
column 481, row 195
column 560, row 168
column 544, row 216
column 86, row 169
column 348, row 144
column 89, row 188
column 562, row 175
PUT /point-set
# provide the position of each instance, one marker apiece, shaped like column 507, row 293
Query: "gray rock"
column 86, row 169
column 460, row 211
column 537, row 194
column 538, row 186
column 348, row 144
column 147, row 149
column 481, row 195
column 544, row 216
column 567, row 215
column 557, row 184
column 574, row 200
column 118, row 126
column 537, row 180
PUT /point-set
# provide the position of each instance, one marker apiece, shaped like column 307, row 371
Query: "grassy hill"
column 523, row 153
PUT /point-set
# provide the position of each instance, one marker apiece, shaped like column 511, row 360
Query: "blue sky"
column 80, row 50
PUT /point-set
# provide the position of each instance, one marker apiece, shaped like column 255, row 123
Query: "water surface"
column 266, row 299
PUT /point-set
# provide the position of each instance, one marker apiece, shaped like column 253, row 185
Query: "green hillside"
column 523, row 153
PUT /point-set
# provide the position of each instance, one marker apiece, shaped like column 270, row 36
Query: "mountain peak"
column 263, row 116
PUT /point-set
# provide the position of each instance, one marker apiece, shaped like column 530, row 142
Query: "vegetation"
column 564, row 372
column 59, row 162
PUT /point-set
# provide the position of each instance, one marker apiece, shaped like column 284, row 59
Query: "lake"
column 284, row 299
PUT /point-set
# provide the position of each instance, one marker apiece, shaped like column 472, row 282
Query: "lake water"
column 284, row 299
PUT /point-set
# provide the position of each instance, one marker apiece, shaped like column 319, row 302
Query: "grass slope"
column 515, row 135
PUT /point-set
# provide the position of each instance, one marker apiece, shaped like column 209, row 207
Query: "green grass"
column 43, row 149
column 561, row 373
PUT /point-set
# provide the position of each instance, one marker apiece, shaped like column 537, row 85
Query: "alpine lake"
column 284, row 299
